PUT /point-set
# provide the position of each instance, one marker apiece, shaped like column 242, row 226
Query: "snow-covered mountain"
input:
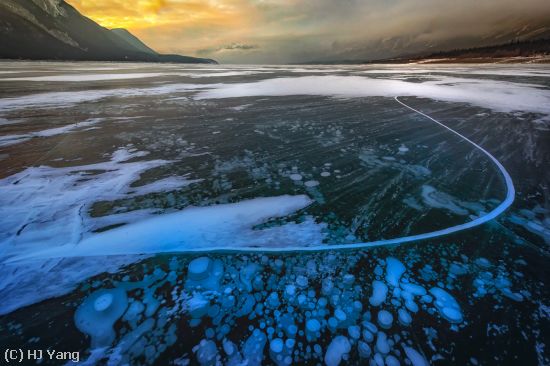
column 52, row 29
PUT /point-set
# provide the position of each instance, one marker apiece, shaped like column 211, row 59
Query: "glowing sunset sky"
column 281, row 31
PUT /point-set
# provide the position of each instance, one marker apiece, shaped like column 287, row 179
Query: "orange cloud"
column 279, row 31
column 174, row 25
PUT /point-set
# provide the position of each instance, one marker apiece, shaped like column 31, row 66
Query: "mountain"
column 54, row 30
column 132, row 40
column 518, row 51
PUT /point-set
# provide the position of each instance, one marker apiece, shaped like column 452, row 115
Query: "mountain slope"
column 132, row 40
column 52, row 29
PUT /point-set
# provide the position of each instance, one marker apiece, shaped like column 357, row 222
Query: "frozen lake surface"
column 166, row 214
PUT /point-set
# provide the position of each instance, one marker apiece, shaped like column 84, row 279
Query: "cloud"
column 239, row 47
column 282, row 31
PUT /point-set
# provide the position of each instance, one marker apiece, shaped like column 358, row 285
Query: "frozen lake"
column 159, row 214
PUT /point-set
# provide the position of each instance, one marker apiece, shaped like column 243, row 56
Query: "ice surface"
column 42, row 205
column 15, row 139
column 436, row 199
column 87, row 77
column 68, row 99
column 500, row 96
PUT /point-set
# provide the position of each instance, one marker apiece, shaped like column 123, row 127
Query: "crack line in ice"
column 503, row 206
column 328, row 247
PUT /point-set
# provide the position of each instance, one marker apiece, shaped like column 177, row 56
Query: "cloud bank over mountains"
column 282, row 31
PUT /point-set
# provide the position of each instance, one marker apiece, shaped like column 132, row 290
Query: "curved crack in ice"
column 503, row 206
column 361, row 245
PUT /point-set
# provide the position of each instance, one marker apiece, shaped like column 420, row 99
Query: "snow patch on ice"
column 500, row 96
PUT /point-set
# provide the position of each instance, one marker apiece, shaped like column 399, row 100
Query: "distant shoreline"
column 524, row 52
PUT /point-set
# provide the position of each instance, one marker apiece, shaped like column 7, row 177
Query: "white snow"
column 218, row 226
column 500, row 96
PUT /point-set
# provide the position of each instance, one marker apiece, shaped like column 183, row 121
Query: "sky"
column 289, row 31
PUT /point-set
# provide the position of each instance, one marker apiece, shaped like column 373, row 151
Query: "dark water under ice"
column 108, row 172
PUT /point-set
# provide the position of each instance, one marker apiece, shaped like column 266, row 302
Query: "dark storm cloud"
column 301, row 30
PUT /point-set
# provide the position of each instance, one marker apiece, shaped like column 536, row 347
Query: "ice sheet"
column 500, row 96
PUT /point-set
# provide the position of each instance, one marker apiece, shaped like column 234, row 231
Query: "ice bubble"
column 301, row 281
column 103, row 302
column 354, row 331
column 276, row 351
column 380, row 291
column 313, row 327
column 253, row 349
column 403, row 148
column 204, row 273
column 207, row 353
column 413, row 289
column 483, row 262
column 327, row 286
column 382, row 344
column 392, row 361
column 340, row 315
column 385, row 319
column 311, row 183
column 447, row 305
column 247, row 274
column 348, row 280
column 325, row 174
column 198, row 268
column 416, row 358
column 404, row 317
column 273, row 300
column 246, row 306
column 290, row 290
column 394, row 271
column 332, row 324
column 364, row 350
column 98, row 313
column 368, row 336
column 337, row 349
column 296, row 177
